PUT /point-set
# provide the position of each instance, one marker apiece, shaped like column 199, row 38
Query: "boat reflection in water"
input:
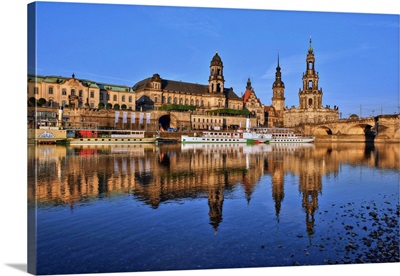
column 259, row 205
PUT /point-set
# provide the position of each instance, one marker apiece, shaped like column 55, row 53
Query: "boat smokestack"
column 60, row 115
column 247, row 124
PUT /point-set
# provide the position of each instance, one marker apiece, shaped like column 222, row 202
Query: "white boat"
column 257, row 137
column 107, row 137
column 284, row 135
column 215, row 137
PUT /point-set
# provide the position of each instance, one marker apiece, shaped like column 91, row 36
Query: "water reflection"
column 156, row 174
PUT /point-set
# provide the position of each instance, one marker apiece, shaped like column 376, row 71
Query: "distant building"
column 253, row 104
column 310, row 109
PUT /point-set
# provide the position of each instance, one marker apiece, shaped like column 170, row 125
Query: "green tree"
column 41, row 101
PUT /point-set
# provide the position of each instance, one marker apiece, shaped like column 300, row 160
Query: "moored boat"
column 214, row 137
column 284, row 135
column 107, row 137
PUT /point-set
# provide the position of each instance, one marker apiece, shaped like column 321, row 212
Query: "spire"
column 278, row 61
column 248, row 87
column 278, row 76
column 310, row 49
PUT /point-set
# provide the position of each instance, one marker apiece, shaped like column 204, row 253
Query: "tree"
column 41, row 101
column 32, row 101
column 108, row 106
column 116, row 106
column 123, row 106
column 101, row 105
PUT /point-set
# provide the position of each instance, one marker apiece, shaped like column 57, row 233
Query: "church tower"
column 278, row 89
column 216, row 80
column 310, row 97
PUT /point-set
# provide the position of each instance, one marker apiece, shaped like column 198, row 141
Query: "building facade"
column 155, row 92
column 310, row 109
column 56, row 91
column 253, row 104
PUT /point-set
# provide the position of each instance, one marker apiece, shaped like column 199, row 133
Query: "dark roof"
column 183, row 87
column 187, row 87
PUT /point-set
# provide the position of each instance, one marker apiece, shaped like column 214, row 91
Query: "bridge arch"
column 166, row 121
column 322, row 130
column 361, row 129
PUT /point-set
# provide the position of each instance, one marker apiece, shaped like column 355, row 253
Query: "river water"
column 173, row 207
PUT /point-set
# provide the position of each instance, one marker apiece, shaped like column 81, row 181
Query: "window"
column 92, row 94
column 80, row 93
column 64, row 91
column 123, row 98
column 35, row 90
column 169, row 100
column 115, row 98
column 180, row 101
column 310, row 101
column 72, row 92
column 63, row 103
column 101, row 96
column 156, row 99
column 309, row 84
column 51, row 90
column 130, row 99
column 197, row 102
column 175, row 100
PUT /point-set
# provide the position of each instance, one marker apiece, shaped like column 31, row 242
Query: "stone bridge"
column 380, row 128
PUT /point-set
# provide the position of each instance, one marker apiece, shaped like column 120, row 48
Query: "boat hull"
column 292, row 140
column 110, row 141
column 213, row 140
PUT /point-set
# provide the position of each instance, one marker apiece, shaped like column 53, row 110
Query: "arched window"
column 310, row 84
column 310, row 101
column 169, row 100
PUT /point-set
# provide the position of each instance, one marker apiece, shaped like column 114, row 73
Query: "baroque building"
column 154, row 92
column 57, row 91
column 310, row 109
column 253, row 104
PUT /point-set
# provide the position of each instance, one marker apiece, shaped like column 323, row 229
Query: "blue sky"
column 357, row 54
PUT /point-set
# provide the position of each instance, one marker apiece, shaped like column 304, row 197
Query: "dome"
column 216, row 60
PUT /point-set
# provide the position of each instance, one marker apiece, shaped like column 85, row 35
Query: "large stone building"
column 310, row 109
column 154, row 92
column 57, row 91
